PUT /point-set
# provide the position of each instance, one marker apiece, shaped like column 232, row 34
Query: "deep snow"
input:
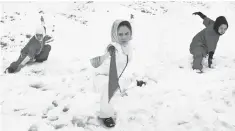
column 175, row 97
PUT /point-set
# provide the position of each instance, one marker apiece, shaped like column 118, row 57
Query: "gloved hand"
column 140, row 83
column 111, row 49
column 209, row 63
column 124, row 93
column 200, row 14
column 210, row 58
column 48, row 38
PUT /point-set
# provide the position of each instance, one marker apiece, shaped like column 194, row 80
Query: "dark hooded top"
column 209, row 36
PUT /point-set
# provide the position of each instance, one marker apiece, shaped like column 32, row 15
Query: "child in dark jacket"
column 205, row 42
column 36, row 50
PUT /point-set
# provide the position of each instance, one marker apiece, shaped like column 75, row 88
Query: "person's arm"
column 97, row 61
column 48, row 39
column 134, row 72
column 200, row 14
column 211, row 44
column 42, row 21
column 206, row 20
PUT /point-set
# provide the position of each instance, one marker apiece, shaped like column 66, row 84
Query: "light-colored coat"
column 101, row 74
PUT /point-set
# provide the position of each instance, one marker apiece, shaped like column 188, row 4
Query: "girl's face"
column 39, row 37
column 124, row 35
column 222, row 29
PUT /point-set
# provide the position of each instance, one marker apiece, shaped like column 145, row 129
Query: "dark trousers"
column 198, row 54
column 43, row 56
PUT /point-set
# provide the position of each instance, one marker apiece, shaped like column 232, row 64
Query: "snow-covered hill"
column 59, row 94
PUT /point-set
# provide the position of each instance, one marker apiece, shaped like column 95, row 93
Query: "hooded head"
column 40, row 33
column 220, row 25
column 121, row 31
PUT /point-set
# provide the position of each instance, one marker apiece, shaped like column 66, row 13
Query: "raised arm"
column 206, row 21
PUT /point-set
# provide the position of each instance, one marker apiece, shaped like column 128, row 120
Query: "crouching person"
column 35, row 51
column 205, row 42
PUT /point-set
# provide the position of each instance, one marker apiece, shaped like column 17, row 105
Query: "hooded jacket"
column 121, row 53
column 34, row 47
column 101, row 74
column 209, row 36
column 219, row 21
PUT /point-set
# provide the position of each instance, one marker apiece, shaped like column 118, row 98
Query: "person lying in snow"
column 119, row 52
column 205, row 41
column 36, row 50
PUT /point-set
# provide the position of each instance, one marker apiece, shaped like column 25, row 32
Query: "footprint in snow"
column 218, row 110
column 59, row 126
column 223, row 57
column 33, row 128
column 28, row 114
column 233, row 93
column 65, row 109
column 53, row 118
column 79, row 122
column 39, row 85
column 55, row 103
column 226, row 125
column 16, row 110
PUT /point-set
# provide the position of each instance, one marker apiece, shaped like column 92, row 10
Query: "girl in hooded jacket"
column 36, row 50
column 205, row 42
column 121, row 34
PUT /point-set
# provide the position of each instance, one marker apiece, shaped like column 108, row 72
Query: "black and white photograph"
column 117, row 65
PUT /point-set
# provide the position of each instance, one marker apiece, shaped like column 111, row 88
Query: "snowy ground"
column 175, row 98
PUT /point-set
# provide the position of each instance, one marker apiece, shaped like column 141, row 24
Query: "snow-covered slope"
column 59, row 94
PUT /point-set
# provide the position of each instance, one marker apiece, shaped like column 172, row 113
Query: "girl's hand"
column 124, row 93
column 111, row 49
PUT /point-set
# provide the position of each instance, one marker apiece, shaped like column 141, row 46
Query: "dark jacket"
column 207, row 38
column 34, row 47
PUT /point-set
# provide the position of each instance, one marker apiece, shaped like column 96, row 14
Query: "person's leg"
column 198, row 54
column 43, row 56
column 197, row 60
column 106, row 110
column 100, row 82
column 14, row 65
